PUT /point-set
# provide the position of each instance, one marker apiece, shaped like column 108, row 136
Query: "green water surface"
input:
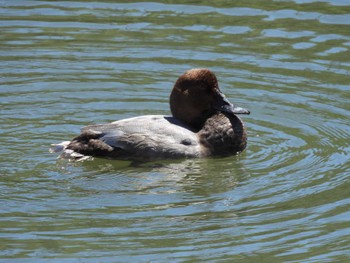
column 67, row 64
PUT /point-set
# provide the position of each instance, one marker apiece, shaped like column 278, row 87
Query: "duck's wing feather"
column 149, row 136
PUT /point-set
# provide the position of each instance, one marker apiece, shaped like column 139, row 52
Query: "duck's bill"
column 239, row 110
column 234, row 109
column 224, row 105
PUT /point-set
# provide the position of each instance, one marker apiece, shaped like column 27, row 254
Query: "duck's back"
column 145, row 137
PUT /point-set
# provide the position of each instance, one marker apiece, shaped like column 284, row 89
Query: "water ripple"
column 69, row 64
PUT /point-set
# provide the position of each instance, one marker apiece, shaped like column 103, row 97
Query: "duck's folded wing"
column 149, row 136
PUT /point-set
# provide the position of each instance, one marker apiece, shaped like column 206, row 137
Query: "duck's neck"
column 198, row 121
column 223, row 134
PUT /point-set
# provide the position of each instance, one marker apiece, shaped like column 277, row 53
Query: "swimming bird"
column 203, row 123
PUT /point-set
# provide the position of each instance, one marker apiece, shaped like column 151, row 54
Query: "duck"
column 203, row 123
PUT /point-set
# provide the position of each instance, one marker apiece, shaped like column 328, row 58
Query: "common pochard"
column 203, row 123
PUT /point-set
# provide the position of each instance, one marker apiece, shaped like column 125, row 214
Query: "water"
column 66, row 64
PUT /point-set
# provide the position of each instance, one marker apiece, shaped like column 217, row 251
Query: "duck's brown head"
column 196, row 97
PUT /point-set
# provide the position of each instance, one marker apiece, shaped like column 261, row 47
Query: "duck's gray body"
column 157, row 137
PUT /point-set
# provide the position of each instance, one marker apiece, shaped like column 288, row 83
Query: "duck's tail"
column 68, row 153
